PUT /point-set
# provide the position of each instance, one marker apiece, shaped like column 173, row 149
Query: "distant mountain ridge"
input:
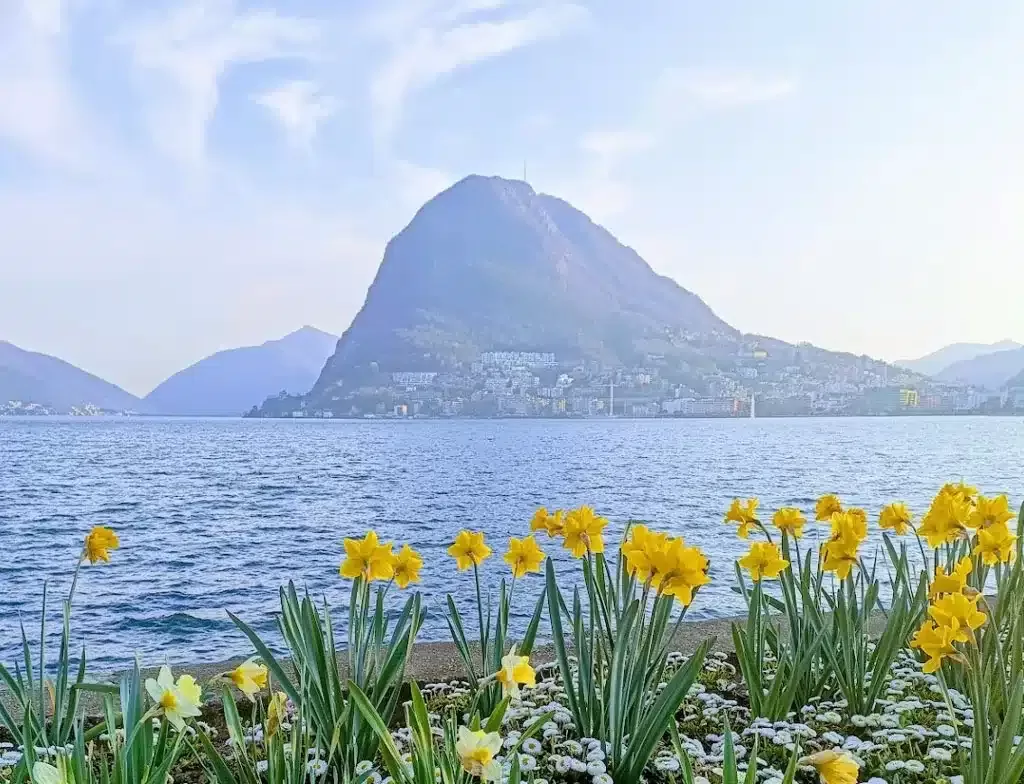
column 489, row 264
column 33, row 377
column 230, row 382
column 992, row 371
column 937, row 361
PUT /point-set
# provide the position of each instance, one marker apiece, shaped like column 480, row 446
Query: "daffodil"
column 98, row 544
column 584, row 532
column 764, row 560
column 476, row 750
column 947, row 517
column 277, row 712
column 469, row 549
column 45, row 773
column 827, row 506
column 850, row 527
column 954, row 582
column 176, row 701
column 551, row 523
column 896, row 517
column 996, row 544
column 790, row 520
column 960, row 490
column 839, row 556
column 407, row 566
column 936, row 642
column 990, row 512
column 515, row 671
column 249, row 678
column 744, row 513
column 958, row 612
column 368, row 558
column 834, row 767
column 678, row 570
column 639, row 550
column 524, row 556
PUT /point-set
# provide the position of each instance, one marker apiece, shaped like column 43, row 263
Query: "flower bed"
column 808, row 694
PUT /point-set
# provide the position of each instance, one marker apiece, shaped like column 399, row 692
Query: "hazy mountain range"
column 40, row 378
column 989, row 365
column 486, row 265
column 224, row 384
column 934, row 363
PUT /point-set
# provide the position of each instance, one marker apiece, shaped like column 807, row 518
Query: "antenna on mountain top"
column 524, row 171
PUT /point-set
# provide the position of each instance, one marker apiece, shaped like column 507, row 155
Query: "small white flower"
column 914, row 766
column 317, row 767
column 365, row 766
column 894, row 765
column 946, row 731
column 600, row 778
column 596, row 768
column 532, row 746
column 667, row 764
column 262, row 766
column 527, row 763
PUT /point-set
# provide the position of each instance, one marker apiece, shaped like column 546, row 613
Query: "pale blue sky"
column 181, row 177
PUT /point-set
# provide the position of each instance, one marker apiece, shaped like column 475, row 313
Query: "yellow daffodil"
column 584, row 532
column 639, row 550
column 744, row 513
column 515, row 671
column 960, row 490
column 839, row 556
column 827, row 506
column 996, row 544
column 946, row 518
column 476, row 750
column 990, row 512
column 407, row 567
column 469, row 549
column 524, row 556
column 954, row 582
column 368, row 558
column 896, row 517
column 277, row 712
column 249, row 678
column 98, row 544
column 834, row 767
column 790, row 520
column 936, row 642
column 850, row 526
column 45, row 773
column 678, row 570
column 960, row 613
column 764, row 560
column 551, row 523
column 176, row 701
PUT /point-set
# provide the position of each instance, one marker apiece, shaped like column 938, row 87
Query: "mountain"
column 991, row 371
column 32, row 377
column 937, row 361
column 489, row 264
column 232, row 381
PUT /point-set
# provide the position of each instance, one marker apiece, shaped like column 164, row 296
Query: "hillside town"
column 758, row 381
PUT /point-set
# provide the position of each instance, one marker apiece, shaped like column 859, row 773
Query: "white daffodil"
column 45, row 773
column 176, row 701
column 476, row 750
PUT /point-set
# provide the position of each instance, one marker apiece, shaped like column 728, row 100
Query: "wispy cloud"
column 428, row 42
column 722, row 88
column 40, row 112
column 300, row 106
column 182, row 55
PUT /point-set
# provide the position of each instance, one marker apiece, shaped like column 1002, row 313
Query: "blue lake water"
column 217, row 514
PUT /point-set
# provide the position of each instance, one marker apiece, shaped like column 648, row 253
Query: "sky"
column 186, row 176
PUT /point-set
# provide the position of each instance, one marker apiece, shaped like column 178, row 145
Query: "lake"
column 217, row 514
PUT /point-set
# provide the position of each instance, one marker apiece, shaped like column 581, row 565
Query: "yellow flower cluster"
column 371, row 559
column 581, row 530
column 849, row 528
column 953, row 616
column 524, row 556
column 958, row 510
column 665, row 563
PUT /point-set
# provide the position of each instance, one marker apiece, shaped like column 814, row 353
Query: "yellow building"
column 909, row 398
